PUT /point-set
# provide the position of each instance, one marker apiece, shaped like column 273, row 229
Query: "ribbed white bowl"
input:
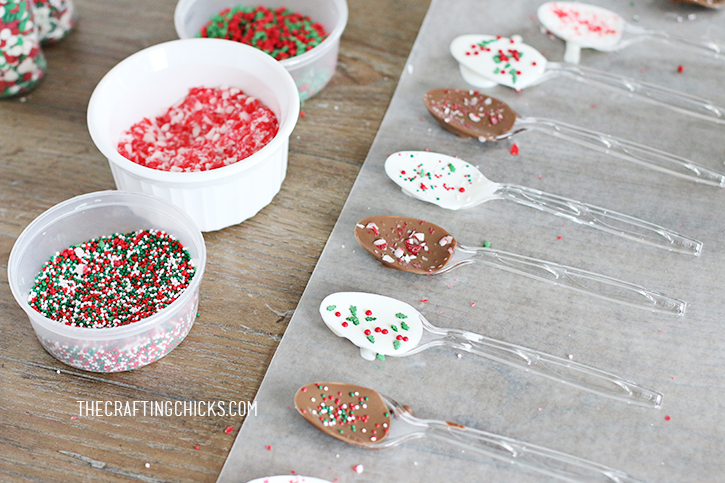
column 148, row 82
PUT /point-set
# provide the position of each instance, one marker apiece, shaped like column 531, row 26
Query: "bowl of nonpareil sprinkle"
column 109, row 280
column 303, row 35
column 203, row 123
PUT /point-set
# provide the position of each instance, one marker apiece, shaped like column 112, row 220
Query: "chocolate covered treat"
column 469, row 114
column 347, row 412
column 705, row 3
column 405, row 243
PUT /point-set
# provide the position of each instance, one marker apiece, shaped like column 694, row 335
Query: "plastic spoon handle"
column 606, row 220
column 553, row 367
column 553, row 463
column 572, row 278
column 630, row 151
column 716, row 49
column 662, row 96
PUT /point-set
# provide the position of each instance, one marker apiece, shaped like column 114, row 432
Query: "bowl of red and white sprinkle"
column 303, row 35
column 109, row 280
column 202, row 123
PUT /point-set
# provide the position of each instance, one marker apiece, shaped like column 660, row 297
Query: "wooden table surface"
column 256, row 271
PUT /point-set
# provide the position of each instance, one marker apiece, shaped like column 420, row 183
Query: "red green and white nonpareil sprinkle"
column 210, row 128
column 22, row 63
column 112, row 281
column 281, row 33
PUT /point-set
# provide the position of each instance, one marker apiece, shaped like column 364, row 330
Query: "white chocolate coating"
column 583, row 24
column 506, row 61
column 394, row 327
column 288, row 479
column 448, row 182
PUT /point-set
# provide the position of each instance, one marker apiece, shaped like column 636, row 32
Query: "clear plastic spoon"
column 421, row 247
column 452, row 183
column 587, row 26
column 364, row 417
column 383, row 326
column 468, row 114
column 486, row 61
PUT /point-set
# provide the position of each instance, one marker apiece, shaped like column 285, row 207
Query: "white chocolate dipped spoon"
column 382, row 326
column 423, row 248
column 468, row 114
column 486, row 61
column 452, row 183
column 366, row 418
column 582, row 25
column 288, row 479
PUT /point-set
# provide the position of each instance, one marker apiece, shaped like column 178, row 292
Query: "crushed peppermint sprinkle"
column 210, row 128
column 112, row 281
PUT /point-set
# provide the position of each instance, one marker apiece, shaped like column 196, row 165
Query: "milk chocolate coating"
column 469, row 113
column 405, row 243
column 353, row 414
column 704, row 3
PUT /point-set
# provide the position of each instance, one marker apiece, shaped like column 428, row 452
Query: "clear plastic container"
column 148, row 82
column 312, row 70
column 90, row 216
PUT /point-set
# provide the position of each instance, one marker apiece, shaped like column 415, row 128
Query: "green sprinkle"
column 396, row 344
column 330, row 308
column 381, row 357
column 401, row 315
column 404, row 326
column 371, row 338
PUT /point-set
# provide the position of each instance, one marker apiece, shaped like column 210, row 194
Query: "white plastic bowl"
column 311, row 70
column 90, row 216
column 148, row 82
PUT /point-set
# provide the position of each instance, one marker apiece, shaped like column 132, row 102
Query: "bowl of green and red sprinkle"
column 303, row 35
column 109, row 280
column 202, row 123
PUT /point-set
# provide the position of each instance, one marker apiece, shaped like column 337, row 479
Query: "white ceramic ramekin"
column 150, row 81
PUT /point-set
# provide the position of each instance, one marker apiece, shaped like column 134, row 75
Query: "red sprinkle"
column 680, row 68
column 514, row 149
column 229, row 429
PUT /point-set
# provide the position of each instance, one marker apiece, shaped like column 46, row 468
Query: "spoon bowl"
column 391, row 327
column 453, row 184
column 423, row 248
column 471, row 114
column 366, row 418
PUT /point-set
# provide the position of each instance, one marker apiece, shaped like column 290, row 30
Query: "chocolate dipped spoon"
column 288, row 479
column 366, row 418
column 452, row 183
column 582, row 25
column 420, row 247
column 704, row 3
column 383, row 326
column 486, row 61
column 471, row 114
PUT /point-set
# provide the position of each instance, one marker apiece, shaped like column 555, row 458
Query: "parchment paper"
column 683, row 357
